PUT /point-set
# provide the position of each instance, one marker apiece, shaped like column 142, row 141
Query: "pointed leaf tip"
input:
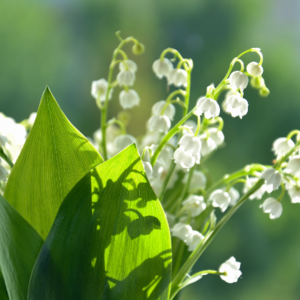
column 55, row 156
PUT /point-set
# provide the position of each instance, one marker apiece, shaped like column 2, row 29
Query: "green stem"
column 6, row 158
column 248, row 170
column 169, row 135
column 207, row 240
column 110, row 75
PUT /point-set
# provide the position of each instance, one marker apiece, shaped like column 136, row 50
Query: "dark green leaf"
column 110, row 239
column 55, row 156
column 19, row 248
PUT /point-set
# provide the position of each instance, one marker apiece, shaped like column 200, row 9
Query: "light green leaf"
column 19, row 248
column 110, row 239
column 55, row 156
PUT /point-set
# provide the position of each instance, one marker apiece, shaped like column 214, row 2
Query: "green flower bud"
column 264, row 92
column 256, row 82
column 138, row 49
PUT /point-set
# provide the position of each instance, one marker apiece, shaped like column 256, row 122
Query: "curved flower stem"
column 236, row 59
column 110, row 75
column 248, row 170
column 175, row 287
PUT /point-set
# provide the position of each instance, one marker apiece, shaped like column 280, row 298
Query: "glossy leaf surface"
column 55, row 156
column 19, row 248
column 110, row 239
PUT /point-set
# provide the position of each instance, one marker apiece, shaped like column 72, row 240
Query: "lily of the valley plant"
column 120, row 217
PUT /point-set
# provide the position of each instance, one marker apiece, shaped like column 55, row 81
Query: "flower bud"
column 129, row 98
column 257, row 82
column 254, row 69
column 238, row 80
column 138, row 48
column 264, row 92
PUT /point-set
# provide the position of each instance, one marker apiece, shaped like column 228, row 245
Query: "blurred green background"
column 68, row 44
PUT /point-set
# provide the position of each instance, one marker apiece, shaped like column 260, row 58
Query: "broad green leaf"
column 110, row 239
column 3, row 292
column 55, row 156
column 19, row 248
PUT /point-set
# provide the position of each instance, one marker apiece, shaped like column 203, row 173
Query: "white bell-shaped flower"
column 282, row 146
column 227, row 95
column 128, row 65
column 238, row 80
column 294, row 193
column 198, row 181
column 148, row 168
column 207, row 106
column 182, row 231
column 232, row 269
column 250, row 182
column 293, row 166
column 220, row 199
column 236, row 106
column 129, row 98
column 3, row 173
column 208, row 145
column 216, row 135
column 183, row 158
column 273, row 179
column 159, row 123
column 234, row 196
column 122, row 141
column 178, row 77
column 273, row 207
column 99, row 89
column 190, row 143
column 254, row 69
column 169, row 111
column 126, row 77
column 162, row 67
column 194, row 204
column 194, row 239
